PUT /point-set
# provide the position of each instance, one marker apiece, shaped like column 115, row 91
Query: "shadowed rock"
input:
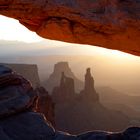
column 46, row 105
column 71, row 109
column 22, row 123
column 16, row 93
column 54, row 78
column 113, row 24
column 66, row 91
column 89, row 91
column 29, row 71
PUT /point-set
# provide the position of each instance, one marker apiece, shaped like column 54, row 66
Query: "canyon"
column 112, row 24
column 84, row 107
column 18, row 111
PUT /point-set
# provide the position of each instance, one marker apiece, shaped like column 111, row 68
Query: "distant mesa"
column 54, row 78
column 29, row 71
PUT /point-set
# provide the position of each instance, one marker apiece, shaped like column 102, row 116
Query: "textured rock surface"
column 111, row 24
column 33, row 126
column 46, row 105
column 16, row 93
column 23, row 124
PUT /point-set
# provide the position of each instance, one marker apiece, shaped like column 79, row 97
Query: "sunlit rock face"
column 113, row 24
column 18, row 121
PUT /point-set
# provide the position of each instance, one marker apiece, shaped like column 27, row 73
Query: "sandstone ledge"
column 113, row 24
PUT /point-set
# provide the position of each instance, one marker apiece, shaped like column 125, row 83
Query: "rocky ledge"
column 19, row 121
column 113, row 24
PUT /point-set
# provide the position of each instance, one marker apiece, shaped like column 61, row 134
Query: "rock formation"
column 16, row 93
column 66, row 91
column 29, row 71
column 46, row 105
column 19, row 121
column 89, row 91
column 112, row 24
column 71, row 109
column 54, row 78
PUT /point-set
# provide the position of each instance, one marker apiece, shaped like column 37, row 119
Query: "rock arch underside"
column 113, row 24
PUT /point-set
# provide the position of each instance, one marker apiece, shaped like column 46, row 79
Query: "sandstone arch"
column 113, row 24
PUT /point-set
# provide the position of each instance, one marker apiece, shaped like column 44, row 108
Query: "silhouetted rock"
column 66, row 91
column 89, row 91
column 54, row 78
column 71, row 109
column 20, row 122
column 116, row 100
column 45, row 104
column 77, row 116
column 29, row 71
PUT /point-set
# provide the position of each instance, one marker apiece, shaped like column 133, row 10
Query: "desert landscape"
column 69, row 70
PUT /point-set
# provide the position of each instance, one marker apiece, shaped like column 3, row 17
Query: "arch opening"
column 112, row 71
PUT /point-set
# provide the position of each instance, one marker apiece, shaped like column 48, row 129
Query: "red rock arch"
column 113, row 24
